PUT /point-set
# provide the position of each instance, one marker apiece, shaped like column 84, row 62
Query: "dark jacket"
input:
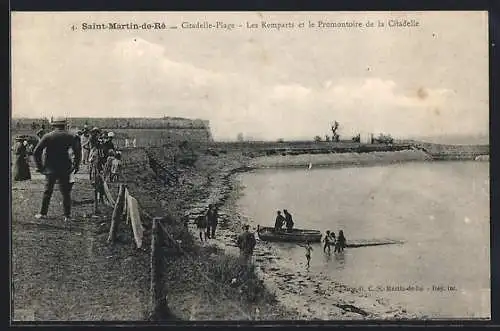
column 288, row 221
column 56, row 145
column 106, row 146
column 212, row 216
column 201, row 222
column 280, row 220
column 246, row 242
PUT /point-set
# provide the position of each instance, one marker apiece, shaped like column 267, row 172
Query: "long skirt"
column 21, row 169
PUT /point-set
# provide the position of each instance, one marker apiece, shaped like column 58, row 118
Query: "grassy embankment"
column 201, row 282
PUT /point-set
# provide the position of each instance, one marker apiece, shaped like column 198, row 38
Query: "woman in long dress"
column 21, row 166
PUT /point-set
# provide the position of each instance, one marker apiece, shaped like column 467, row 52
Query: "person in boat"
column 246, row 243
column 328, row 242
column 308, row 253
column 341, row 242
column 280, row 220
column 288, row 220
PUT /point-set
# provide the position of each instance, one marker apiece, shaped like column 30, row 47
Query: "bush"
column 239, row 278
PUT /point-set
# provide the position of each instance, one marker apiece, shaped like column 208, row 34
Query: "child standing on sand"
column 308, row 253
column 201, row 224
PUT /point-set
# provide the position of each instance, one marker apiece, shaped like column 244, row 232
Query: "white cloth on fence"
column 134, row 142
column 135, row 219
column 126, row 142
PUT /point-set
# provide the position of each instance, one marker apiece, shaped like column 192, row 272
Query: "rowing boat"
column 297, row 235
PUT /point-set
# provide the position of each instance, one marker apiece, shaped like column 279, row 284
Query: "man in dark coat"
column 280, row 220
column 212, row 221
column 58, row 165
column 288, row 220
column 246, row 243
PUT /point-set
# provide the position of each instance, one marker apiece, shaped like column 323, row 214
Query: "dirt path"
column 65, row 272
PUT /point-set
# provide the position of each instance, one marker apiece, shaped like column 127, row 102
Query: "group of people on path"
column 207, row 224
column 58, row 155
column 281, row 220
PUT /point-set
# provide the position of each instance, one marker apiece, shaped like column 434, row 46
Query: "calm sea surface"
column 440, row 210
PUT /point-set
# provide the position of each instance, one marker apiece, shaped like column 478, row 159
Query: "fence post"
column 96, row 179
column 117, row 213
column 155, row 277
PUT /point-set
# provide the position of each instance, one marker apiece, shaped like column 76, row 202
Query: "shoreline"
column 322, row 299
column 338, row 159
column 214, row 180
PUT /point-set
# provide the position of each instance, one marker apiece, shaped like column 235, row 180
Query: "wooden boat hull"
column 297, row 235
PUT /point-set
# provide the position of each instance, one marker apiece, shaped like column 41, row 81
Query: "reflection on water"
column 440, row 210
column 340, row 260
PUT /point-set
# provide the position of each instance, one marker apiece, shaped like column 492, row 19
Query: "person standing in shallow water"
column 327, row 241
column 309, row 249
column 341, row 242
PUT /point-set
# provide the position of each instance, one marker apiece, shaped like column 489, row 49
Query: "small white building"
column 365, row 138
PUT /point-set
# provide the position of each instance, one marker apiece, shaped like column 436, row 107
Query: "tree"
column 317, row 139
column 327, row 138
column 239, row 137
column 335, row 127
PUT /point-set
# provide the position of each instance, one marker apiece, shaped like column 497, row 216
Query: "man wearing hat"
column 58, row 165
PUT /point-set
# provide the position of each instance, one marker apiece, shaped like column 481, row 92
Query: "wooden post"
column 117, row 213
column 96, row 198
column 155, row 278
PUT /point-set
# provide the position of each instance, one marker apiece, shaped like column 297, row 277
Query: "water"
column 440, row 210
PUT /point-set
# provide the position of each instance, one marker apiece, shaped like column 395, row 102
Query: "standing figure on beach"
column 201, row 225
column 288, row 220
column 308, row 253
column 341, row 242
column 21, row 165
column 333, row 240
column 57, row 165
column 212, row 220
column 246, row 243
column 327, row 241
column 280, row 220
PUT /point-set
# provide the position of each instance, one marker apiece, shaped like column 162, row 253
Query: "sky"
column 266, row 83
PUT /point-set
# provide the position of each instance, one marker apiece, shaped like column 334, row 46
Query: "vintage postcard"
column 250, row 166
